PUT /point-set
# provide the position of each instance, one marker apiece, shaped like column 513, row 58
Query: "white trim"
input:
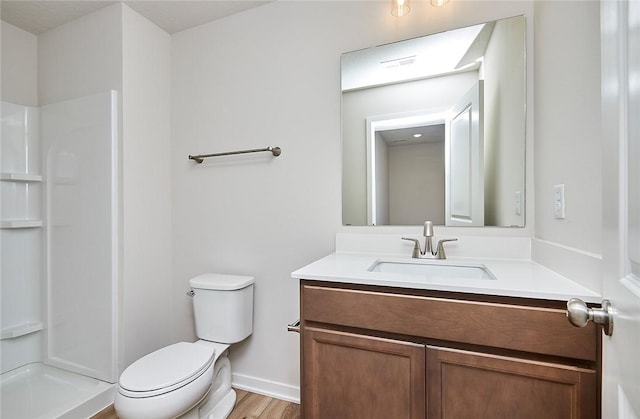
column 266, row 387
column 632, row 283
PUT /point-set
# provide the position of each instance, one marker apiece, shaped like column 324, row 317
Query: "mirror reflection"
column 434, row 129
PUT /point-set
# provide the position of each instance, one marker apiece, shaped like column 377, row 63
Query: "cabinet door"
column 463, row 384
column 354, row 376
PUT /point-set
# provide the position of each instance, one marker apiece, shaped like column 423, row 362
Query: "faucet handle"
column 428, row 229
column 440, row 250
column 416, row 247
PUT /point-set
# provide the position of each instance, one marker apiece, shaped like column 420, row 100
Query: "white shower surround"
column 80, row 153
column 59, row 257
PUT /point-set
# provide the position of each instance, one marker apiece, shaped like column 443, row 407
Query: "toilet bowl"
column 192, row 380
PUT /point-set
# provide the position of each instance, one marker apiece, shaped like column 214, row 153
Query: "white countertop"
column 514, row 278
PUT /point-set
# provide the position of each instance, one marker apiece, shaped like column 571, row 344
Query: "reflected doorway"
column 407, row 171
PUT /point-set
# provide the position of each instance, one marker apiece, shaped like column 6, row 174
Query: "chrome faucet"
column 428, row 252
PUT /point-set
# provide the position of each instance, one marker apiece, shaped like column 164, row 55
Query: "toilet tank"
column 223, row 307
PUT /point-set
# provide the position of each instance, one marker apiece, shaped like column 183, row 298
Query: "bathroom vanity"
column 389, row 345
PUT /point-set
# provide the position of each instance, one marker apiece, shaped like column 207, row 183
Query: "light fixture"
column 400, row 7
column 418, row 135
column 439, row 3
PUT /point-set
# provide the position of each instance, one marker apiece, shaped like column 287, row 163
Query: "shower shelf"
column 21, row 224
column 20, row 330
column 20, row 177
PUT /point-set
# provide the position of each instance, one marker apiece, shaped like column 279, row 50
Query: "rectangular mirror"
column 433, row 128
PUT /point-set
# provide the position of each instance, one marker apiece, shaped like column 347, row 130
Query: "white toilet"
column 193, row 380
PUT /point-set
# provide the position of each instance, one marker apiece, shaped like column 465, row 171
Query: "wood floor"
column 248, row 406
column 255, row 406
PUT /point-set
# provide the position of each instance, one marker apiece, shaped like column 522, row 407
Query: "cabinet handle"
column 294, row 327
column 579, row 314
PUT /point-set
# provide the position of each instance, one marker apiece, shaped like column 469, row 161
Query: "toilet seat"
column 165, row 370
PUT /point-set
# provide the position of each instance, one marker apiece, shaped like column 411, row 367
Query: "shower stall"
column 59, row 257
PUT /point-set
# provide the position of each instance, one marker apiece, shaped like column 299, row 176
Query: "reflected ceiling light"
column 439, row 3
column 400, row 7
column 418, row 135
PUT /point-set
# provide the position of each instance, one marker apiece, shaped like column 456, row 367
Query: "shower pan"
column 58, row 250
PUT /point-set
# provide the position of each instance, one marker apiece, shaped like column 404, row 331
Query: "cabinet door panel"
column 463, row 384
column 354, row 376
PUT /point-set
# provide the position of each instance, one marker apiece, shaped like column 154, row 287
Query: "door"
column 464, row 161
column 356, row 376
column 621, row 210
column 463, row 384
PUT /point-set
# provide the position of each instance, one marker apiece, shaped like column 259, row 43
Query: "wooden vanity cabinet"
column 380, row 352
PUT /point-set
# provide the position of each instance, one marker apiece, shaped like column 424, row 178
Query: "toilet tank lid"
column 223, row 282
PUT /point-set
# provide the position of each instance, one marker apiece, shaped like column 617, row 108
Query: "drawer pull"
column 294, row 327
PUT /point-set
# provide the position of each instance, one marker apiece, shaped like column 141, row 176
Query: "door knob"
column 579, row 314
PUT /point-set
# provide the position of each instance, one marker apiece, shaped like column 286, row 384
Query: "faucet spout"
column 428, row 234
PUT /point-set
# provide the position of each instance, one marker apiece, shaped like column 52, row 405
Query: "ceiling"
column 406, row 136
column 171, row 15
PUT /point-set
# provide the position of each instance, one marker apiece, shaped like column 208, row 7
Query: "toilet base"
column 221, row 399
column 219, row 410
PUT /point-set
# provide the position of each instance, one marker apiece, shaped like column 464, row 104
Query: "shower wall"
column 21, row 236
column 80, row 149
column 21, row 293
column 59, row 235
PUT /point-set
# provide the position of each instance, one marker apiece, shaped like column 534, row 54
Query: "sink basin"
column 433, row 270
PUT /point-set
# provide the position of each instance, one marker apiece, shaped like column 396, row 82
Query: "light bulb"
column 400, row 7
column 439, row 3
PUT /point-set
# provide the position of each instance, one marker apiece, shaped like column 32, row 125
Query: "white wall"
column 146, row 188
column 568, row 137
column 19, row 83
column 82, row 57
column 271, row 76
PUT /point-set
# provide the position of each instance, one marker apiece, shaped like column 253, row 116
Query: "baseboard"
column 266, row 387
column 578, row 265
